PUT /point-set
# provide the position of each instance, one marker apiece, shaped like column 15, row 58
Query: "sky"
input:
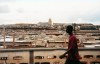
column 60, row 11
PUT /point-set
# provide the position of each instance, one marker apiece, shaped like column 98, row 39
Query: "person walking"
column 73, row 54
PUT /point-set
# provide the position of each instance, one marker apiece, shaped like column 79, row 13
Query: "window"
column 17, row 58
column 3, row 58
column 39, row 57
column 51, row 57
column 98, row 56
column 88, row 56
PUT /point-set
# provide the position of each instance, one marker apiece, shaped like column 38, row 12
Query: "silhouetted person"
column 73, row 55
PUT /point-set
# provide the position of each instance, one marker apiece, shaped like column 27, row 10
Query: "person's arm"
column 64, row 55
column 72, row 44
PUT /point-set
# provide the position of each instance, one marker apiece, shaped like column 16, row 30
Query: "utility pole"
column 31, row 57
column 13, row 39
column 4, row 44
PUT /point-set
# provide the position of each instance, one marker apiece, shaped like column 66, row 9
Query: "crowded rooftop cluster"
column 48, row 34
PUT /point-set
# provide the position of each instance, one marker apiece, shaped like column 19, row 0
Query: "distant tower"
column 50, row 22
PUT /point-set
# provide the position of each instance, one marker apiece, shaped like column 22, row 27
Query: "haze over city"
column 49, row 31
column 61, row 11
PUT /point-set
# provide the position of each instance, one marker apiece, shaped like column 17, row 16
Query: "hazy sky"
column 63, row 11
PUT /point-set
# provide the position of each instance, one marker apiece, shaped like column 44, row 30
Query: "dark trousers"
column 68, row 61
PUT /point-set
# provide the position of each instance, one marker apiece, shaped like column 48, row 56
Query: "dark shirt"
column 73, row 48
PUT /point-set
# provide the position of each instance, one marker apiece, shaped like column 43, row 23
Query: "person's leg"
column 72, row 62
column 69, row 61
column 77, row 62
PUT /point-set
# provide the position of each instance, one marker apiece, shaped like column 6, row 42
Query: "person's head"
column 69, row 29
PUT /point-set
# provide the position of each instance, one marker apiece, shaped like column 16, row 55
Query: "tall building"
column 50, row 22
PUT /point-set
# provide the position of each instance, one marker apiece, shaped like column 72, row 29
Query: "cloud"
column 59, row 10
column 4, row 9
column 3, row 1
column 20, row 10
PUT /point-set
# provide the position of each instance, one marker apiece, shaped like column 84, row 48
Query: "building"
column 46, row 56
